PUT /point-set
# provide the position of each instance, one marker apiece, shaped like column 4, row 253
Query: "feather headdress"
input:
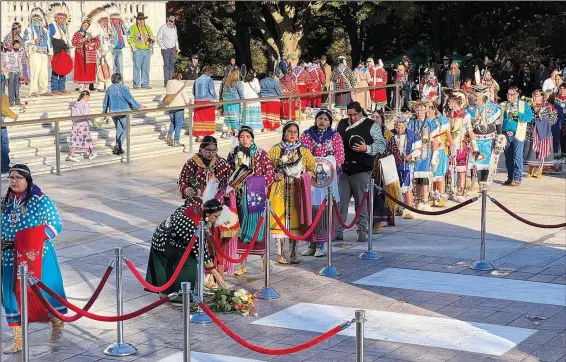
column 95, row 16
column 58, row 9
column 113, row 10
column 37, row 13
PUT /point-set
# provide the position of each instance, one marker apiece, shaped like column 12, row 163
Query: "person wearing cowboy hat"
column 140, row 38
column 516, row 115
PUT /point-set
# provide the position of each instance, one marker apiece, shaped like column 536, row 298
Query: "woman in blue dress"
column 29, row 222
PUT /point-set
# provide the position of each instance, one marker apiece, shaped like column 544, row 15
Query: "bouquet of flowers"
column 229, row 301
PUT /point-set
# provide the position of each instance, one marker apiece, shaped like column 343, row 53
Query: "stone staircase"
column 34, row 145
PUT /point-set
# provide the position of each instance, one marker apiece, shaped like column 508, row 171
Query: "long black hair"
column 24, row 171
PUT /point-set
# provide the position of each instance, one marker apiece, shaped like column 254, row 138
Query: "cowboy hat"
column 141, row 16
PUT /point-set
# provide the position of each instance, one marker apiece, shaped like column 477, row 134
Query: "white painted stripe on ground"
column 509, row 289
column 206, row 357
column 403, row 328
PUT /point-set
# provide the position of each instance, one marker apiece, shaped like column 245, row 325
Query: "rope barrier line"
column 247, row 252
column 269, row 351
column 423, row 212
column 356, row 217
column 94, row 296
column 171, row 281
column 36, row 289
column 308, row 232
column 531, row 223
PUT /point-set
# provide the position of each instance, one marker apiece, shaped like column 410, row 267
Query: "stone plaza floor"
column 423, row 302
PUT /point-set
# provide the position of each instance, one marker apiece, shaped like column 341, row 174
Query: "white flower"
column 244, row 298
column 240, row 154
column 284, row 159
column 242, row 291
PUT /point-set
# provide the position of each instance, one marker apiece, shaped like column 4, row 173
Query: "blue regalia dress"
column 18, row 215
column 485, row 117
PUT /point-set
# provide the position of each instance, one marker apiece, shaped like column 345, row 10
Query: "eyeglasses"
column 16, row 178
column 210, row 151
column 352, row 115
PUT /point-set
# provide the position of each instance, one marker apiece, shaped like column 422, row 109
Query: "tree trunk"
column 290, row 41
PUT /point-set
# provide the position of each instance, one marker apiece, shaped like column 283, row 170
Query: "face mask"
column 36, row 23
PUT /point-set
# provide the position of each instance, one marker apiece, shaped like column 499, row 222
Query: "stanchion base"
column 200, row 318
column 482, row 265
column 266, row 293
column 120, row 350
column 329, row 271
column 370, row 255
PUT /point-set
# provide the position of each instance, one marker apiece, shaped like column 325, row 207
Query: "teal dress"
column 39, row 210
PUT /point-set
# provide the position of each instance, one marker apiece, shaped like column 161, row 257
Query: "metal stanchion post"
column 244, row 112
column 370, row 254
column 23, row 274
column 482, row 264
column 267, row 292
column 128, row 138
column 366, row 94
column 186, row 291
column 200, row 317
column 360, row 321
column 329, row 270
column 57, row 149
column 120, row 348
column 191, row 128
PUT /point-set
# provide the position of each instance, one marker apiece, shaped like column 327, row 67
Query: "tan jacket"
column 328, row 74
column 173, row 87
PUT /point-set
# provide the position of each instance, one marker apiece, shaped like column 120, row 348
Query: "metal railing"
column 190, row 108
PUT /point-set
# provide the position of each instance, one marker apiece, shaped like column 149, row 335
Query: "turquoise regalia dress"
column 485, row 118
column 17, row 216
column 425, row 130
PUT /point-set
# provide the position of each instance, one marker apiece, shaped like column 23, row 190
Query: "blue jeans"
column 142, row 59
column 168, row 63
column 118, row 61
column 14, row 87
column 57, row 82
column 177, row 119
column 120, row 124
column 5, row 150
column 514, row 159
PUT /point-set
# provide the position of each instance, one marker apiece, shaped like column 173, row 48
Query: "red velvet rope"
column 248, row 251
column 423, row 212
column 171, row 281
column 356, row 217
column 83, row 313
column 531, row 223
column 95, row 295
column 309, row 231
column 269, row 351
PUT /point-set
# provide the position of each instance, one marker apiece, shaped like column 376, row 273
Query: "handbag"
column 169, row 98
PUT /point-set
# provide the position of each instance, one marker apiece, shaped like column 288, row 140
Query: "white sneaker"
column 73, row 158
column 420, row 206
column 319, row 253
column 459, row 199
column 308, row 252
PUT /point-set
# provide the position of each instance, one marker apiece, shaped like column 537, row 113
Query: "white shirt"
column 548, row 85
column 167, row 37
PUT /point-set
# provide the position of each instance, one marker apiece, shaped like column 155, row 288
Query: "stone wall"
column 155, row 10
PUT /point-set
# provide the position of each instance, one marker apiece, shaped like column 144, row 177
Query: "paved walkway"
column 424, row 303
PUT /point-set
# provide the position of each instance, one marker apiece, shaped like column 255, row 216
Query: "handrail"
column 188, row 106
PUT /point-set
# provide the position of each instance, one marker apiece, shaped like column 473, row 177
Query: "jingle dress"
column 440, row 146
column 168, row 244
column 379, row 79
column 85, row 57
column 425, row 130
column 460, row 125
column 343, row 80
column 16, row 216
column 326, row 144
column 292, row 161
column 258, row 161
column 302, row 78
column 316, row 79
column 538, row 141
